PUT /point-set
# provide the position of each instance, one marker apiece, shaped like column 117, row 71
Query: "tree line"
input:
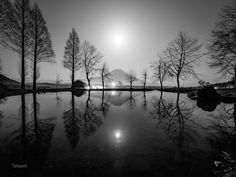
column 184, row 53
column 24, row 31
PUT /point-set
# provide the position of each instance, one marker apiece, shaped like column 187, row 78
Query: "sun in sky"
column 118, row 37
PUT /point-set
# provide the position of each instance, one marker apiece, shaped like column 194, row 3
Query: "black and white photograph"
column 118, row 88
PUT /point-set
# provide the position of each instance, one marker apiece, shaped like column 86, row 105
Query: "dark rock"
column 207, row 105
column 79, row 84
column 208, row 93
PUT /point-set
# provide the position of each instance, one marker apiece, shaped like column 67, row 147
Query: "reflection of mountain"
column 116, row 98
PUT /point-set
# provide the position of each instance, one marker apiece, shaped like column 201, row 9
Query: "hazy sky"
column 129, row 33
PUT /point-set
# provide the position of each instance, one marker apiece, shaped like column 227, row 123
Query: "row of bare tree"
column 83, row 56
column 23, row 30
column 180, row 57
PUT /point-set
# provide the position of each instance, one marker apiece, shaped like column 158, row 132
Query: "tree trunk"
column 23, row 47
column 178, row 83
column 73, row 111
column 144, row 84
column 73, row 78
column 103, row 82
column 144, row 99
column 73, row 63
column 88, row 80
column 235, row 77
column 23, row 126
column 177, row 100
column 34, row 75
column 35, row 117
column 234, row 115
column 161, row 95
column 131, row 85
column 103, row 98
column 161, row 85
column 35, row 51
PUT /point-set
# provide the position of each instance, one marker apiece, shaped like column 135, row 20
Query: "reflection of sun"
column 117, row 135
column 113, row 93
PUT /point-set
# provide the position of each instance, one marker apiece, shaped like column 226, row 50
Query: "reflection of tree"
column 71, row 120
column 223, row 134
column 58, row 99
column 144, row 101
column 81, row 118
column 160, row 108
column 31, row 142
column 90, row 120
column 132, row 101
column 104, row 105
column 175, row 118
column 39, row 133
column 2, row 101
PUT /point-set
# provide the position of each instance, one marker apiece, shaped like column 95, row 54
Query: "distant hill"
column 8, row 82
column 117, row 75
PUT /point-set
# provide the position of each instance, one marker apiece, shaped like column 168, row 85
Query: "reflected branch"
column 71, row 121
column 176, row 118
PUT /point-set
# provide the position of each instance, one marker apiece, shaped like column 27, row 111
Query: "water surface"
column 113, row 134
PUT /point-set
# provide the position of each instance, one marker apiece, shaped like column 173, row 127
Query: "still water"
column 113, row 134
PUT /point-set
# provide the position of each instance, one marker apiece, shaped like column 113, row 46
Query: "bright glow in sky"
column 118, row 38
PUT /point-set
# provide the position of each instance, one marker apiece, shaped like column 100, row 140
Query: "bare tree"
column 90, row 58
column 16, row 30
column 0, row 66
column 131, row 77
column 6, row 8
column 41, row 49
column 58, row 80
column 105, row 73
column 71, row 120
column 26, row 70
column 35, row 74
column 144, row 74
column 182, row 55
column 160, row 70
column 222, row 45
column 72, row 56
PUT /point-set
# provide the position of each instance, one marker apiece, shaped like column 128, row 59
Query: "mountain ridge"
column 117, row 75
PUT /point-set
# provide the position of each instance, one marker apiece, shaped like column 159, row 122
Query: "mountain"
column 117, row 75
column 8, row 82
